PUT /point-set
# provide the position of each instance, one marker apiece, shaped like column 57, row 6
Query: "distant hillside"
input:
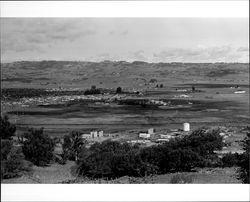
column 138, row 74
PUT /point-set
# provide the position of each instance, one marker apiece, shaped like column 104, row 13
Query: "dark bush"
column 110, row 159
column 230, row 160
column 72, row 145
column 244, row 164
column 119, row 90
column 92, row 91
column 38, row 147
column 201, row 141
column 12, row 160
column 7, row 129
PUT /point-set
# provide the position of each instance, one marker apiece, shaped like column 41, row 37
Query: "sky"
column 129, row 39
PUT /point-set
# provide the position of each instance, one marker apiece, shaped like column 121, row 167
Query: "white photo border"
column 141, row 192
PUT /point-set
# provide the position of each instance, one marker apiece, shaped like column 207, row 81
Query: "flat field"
column 214, row 103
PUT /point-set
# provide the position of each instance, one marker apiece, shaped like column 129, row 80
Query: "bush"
column 12, row 160
column 110, row 159
column 244, row 164
column 38, row 148
column 92, row 91
column 201, row 141
column 230, row 160
column 119, row 90
column 7, row 129
column 72, row 145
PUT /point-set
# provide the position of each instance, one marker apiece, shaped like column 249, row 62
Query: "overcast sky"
column 147, row 39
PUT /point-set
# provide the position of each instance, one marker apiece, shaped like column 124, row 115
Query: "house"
column 162, row 140
column 151, row 131
column 144, row 135
column 186, row 127
column 86, row 136
column 222, row 134
column 165, row 136
column 100, row 133
column 94, row 134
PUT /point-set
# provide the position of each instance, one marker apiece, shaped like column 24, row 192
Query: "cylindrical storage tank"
column 186, row 127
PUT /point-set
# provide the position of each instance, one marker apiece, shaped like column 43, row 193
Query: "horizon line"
column 88, row 61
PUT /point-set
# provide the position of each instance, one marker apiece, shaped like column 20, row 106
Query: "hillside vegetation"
column 107, row 74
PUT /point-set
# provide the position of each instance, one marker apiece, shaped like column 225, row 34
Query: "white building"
column 100, row 133
column 144, row 135
column 94, row 134
column 186, row 127
column 86, row 136
column 151, row 131
column 162, row 140
column 165, row 136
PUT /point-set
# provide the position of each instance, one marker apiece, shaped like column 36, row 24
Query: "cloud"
column 37, row 34
column 243, row 49
column 139, row 55
column 118, row 33
column 199, row 54
column 125, row 32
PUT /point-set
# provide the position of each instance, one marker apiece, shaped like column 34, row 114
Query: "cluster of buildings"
column 94, row 135
column 158, row 138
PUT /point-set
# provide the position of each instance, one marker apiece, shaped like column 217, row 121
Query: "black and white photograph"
column 110, row 100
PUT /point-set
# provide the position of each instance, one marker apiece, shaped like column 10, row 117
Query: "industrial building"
column 144, row 135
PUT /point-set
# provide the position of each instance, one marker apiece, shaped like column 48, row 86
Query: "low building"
column 162, row 140
column 222, row 134
column 165, row 136
column 186, row 127
column 86, row 136
column 151, row 131
column 94, row 134
column 144, row 135
column 100, row 133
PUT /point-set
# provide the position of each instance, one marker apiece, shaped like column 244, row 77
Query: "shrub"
column 201, row 141
column 38, row 148
column 72, row 145
column 119, row 90
column 12, row 160
column 244, row 164
column 7, row 129
column 230, row 160
column 92, row 91
column 110, row 159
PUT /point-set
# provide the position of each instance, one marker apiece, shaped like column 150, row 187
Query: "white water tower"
column 186, row 127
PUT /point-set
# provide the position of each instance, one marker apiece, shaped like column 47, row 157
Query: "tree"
column 12, row 157
column 119, row 90
column 72, row 145
column 230, row 160
column 243, row 173
column 193, row 88
column 202, row 141
column 38, row 147
column 12, row 160
column 7, row 129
